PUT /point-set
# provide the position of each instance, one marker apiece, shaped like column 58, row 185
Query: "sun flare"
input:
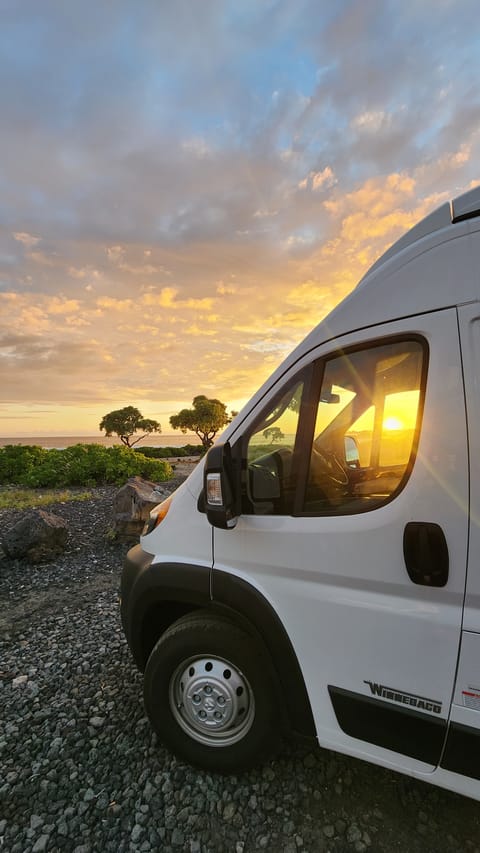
column 392, row 423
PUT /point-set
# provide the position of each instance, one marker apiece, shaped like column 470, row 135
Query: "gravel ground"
column 81, row 769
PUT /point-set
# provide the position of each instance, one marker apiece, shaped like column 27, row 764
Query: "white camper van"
column 318, row 573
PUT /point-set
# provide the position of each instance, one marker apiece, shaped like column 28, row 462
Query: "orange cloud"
column 60, row 305
column 41, row 258
column 225, row 289
column 317, row 180
column 27, row 240
column 165, row 299
column 200, row 331
column 110, row 303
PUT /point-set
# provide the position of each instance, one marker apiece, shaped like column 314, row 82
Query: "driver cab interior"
column 341, row 437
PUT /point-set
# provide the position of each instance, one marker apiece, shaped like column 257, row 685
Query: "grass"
column 28, row 498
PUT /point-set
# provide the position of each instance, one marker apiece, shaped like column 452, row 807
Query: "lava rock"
column 36, row 537
column 132, row 505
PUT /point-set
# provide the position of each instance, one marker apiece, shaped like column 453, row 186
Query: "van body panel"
column 184, row 536
column 370, row 613
column 467, row 687
column 339, row 583
column 469, row 322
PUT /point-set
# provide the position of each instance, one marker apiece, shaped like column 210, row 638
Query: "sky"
column 187, row 187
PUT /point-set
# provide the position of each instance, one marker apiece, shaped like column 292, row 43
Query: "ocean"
column 62, row 441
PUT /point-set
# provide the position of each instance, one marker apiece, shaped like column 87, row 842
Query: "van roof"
column 466, row 206
column 407, row 280
column 395, row 287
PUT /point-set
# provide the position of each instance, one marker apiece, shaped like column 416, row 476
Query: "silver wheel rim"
column 212, row 701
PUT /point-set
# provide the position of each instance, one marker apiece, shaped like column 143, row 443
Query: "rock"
column 137, row 831
column 229, row 811
column 132, row 505
column 37, row 537
column 177, row 838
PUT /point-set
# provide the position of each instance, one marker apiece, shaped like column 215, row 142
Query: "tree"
column 126, row 422
column 206, row 418
column 273, row 433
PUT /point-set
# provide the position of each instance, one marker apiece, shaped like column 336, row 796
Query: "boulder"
column 132, row 504
column 37, row 537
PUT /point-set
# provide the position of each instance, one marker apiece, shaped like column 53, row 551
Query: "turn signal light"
column 214, row 489
column 157, row 515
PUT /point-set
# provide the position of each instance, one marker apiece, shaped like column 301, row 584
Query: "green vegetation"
column 169, row 452
column 205, row 418
column 28, row 498
column 80, row 465
column 126, row 422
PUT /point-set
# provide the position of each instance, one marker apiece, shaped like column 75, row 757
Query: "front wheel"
column 209, row 693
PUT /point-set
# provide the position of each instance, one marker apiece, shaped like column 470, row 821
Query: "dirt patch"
column 183, row 465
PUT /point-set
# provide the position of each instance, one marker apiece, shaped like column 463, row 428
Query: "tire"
column 209, row 694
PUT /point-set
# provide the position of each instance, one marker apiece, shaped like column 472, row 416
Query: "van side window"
column 271, row 481
column 341, row 437
column 367, row 420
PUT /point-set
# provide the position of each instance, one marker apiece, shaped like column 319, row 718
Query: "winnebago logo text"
column 411, row 699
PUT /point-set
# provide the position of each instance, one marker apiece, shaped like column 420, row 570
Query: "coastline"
column 60, row 442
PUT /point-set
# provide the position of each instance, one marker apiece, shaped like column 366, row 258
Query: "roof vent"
column 466, row 206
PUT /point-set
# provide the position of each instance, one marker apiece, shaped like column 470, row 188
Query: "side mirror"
column 352, row 453
column 218, row 481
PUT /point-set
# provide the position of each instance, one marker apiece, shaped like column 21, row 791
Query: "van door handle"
column 425, row 551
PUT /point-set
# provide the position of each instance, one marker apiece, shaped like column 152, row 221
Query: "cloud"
column 199, row 331
column 163, row 204
column 165, row 298
column 371, row 121
column 115, row 254
column 119, row 305
column 42, row 258
column 225, row 289
column 318, row 180
column 25, row 239
column 60, row 305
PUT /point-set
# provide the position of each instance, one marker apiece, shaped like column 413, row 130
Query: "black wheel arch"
column 164, row 592
column 252, row 611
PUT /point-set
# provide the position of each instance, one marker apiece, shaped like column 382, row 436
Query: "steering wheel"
column 328, row 474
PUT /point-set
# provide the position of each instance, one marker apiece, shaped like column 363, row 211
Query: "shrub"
column 80, row 465
column 169, row 452
column 193, row 450
column 154, row 469
column 17, row 460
